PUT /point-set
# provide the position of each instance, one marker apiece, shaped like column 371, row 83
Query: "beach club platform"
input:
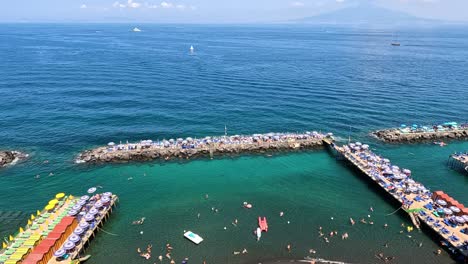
column 61, row 231
column 440, row 213
column 459, row 161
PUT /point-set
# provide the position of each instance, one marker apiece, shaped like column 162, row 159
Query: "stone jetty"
column 422, row 133
column 11, row 157
column 190, row 148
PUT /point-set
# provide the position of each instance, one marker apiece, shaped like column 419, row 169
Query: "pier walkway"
column 445, row 217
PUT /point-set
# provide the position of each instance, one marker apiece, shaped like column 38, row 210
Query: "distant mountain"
column 367, row 14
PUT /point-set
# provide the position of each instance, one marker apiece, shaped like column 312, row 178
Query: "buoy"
column 141, row 232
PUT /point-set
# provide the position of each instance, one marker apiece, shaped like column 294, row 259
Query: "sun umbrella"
column 98, row 204
column 107, row 194
column 83, row 225
column 105, row 199
column 111, row 144
column 84, row 197
column 454, row 209
column 81, row 202
column 447, row 211
column 441, row 202
column 74, row 238
column 460, row 219
column 72, row 212
column 93, row 211
column 91, row 190
column 77, row 207
column 89, row 217
column 465, row 217
column 69, row 245
column 60, row 252
column 78, row 231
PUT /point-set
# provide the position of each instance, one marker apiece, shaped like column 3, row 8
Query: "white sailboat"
column 191, row 49
column 136, row 29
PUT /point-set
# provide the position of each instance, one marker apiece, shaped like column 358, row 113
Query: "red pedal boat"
column 262, row 223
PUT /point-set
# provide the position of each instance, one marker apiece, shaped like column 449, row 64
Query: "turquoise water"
column 68, row 88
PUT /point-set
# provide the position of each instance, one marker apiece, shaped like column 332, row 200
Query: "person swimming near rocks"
column 352, row 221
column 281, row 214
column 344, row 236
column 385, row 225
column 363, row 221
column 312, row 251
column 185, row 261
column 288, row 247
column 139, row 222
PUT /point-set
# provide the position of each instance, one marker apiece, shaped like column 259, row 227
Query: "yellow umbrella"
column 49, row 207
column 70, row 197
column 53, row 201
column 29, row 222
column 32, row 217
column 59, row 196
column 21, row 230
column 4, row 245
column 38, row 212
column 11, row 238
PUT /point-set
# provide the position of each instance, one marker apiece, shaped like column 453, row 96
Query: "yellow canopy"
column 38, row 212
column 32, row 217
column 53, row 201
column 59, row 195
column 49, row 207
column 10, row 238
column 4, row 245
column 21, row 230
column 29, row 222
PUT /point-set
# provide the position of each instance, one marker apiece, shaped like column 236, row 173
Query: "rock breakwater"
column 395, row 135
column 189, row 148
column 11, row 157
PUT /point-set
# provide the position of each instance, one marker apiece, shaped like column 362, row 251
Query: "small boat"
column 395, row 43
column 191, row 49
column 262, row 224
column 136, row 29
column 193, row 237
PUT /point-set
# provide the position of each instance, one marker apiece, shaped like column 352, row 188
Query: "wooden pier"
column 412, row 196
column 65, row 219
column 459, row 161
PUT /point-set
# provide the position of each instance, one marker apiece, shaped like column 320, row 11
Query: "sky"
column 211, row 11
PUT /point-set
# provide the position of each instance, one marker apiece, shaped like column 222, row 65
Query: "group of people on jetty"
column 194, row 143
column 447, row 126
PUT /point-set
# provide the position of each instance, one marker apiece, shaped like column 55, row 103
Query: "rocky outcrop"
column 11, row 157
column 102, row 155
column 396, row 136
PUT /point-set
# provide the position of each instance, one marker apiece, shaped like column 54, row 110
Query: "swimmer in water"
column 352, row 221
column 281, row 214
column 288, row 247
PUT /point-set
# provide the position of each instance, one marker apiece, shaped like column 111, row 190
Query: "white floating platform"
column 193, row 237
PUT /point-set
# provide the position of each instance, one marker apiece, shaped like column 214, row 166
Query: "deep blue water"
column 65, row 88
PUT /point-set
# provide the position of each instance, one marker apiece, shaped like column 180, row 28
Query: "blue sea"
column 67, row 88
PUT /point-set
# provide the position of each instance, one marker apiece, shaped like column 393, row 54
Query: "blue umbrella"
column 84, row 225
column 60, row 252
column 74, row 238
column 69, row 245
column 78, row 231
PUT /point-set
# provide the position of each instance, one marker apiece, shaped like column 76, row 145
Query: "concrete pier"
column 441, row 214
column 11, row 157
column 421, row 134
column 190, row 148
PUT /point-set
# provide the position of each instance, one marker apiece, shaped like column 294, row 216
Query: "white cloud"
column 297, row 4
column 83, row 6
column 130, row 4
column 166, row 5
